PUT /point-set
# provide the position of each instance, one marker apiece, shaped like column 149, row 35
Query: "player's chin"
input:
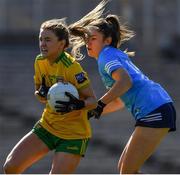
column 90, row 54
column 44, row 54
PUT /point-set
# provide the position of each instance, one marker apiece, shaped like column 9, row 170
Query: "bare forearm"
column 88, row 96
column 118, row 89
column 113, row 106
column 90, row 103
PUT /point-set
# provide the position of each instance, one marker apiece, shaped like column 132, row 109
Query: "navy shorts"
column 162, row 117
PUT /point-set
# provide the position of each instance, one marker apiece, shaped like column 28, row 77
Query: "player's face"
column 49, row 44
column 95, row 43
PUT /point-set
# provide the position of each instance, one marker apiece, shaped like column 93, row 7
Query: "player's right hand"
column 96, row 113
column 39, row 97
column 41, row 93
column 43, row 90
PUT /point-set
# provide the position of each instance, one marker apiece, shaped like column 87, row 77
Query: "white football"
column 57, row 92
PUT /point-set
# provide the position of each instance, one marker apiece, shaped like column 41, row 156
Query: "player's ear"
column 62, row 44
column 108, row 40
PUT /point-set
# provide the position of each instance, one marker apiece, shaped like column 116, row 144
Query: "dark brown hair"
column 109, row 26
column 59, row 27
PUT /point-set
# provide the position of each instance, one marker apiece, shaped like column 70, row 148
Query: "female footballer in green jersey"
column 67, row 133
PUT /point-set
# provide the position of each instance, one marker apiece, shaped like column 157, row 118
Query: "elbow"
column 125, row 85
column 129, row 84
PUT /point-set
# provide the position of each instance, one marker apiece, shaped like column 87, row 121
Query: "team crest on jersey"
column 60, row 79
column 80, row 77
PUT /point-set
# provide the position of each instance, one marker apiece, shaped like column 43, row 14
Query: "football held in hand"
column 57, row 93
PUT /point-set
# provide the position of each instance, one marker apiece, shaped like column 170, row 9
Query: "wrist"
column 102, row 104
column 82, row 104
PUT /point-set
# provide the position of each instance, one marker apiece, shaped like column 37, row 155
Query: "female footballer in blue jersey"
column 150, row 105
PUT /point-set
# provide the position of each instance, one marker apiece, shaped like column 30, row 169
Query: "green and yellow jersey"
column 73, row 125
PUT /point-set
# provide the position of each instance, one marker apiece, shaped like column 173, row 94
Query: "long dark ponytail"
column 109, row 26
column 113, row 22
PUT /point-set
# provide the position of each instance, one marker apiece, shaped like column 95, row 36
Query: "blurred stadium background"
column 157, row 46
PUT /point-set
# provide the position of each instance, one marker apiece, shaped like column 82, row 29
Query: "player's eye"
column 47, row 39
column 93, row 38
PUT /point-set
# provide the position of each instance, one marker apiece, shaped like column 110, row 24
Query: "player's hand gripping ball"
column 63, row 97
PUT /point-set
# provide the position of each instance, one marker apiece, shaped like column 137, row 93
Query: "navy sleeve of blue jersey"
column 110, row 62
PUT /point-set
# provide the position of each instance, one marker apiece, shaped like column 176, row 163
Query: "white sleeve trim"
column 111, row 64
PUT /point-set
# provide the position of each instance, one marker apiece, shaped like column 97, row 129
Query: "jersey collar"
column 103, row 49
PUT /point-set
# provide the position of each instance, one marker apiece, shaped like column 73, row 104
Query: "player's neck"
column 51, row 60
column 54, row 58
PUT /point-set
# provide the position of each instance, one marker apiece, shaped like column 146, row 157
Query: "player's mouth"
column 44, row 51
column 89, row 49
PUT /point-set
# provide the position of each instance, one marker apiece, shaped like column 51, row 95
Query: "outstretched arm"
column 87, row 94
column 122, row 84
column 113, row 106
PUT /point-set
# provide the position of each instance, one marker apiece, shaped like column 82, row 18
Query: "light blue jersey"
column 144, row 96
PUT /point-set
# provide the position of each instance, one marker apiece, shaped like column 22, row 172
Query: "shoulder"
column 39, row 60
column 39, row 57
column 111, row 53
column 68, row 61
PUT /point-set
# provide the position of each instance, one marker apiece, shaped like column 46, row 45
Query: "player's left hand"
column 72, row 104
column 96, row 113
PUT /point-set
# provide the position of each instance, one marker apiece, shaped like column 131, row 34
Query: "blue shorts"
column 162, row 117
